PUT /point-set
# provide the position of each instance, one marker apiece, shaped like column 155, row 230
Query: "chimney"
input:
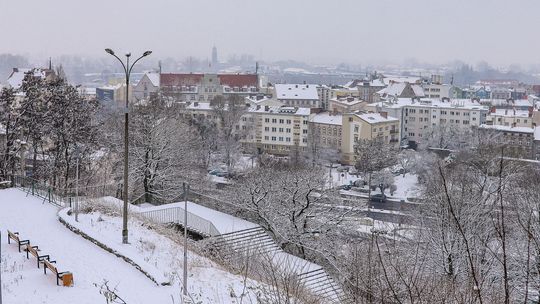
column 384, row 114
column 196, row 104
column 513, row 125
column 266, row 108
column 506, row 112
column 258, row 107
column 530, row 111
column 493, row 110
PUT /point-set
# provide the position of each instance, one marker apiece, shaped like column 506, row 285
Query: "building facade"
column 367, row 126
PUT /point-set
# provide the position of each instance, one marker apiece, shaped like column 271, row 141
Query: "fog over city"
column 319, row 32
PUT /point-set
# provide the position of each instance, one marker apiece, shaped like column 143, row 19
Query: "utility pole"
column 77, row 151
column 186, row 190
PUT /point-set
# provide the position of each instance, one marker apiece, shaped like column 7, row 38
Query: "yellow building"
column 367, row 126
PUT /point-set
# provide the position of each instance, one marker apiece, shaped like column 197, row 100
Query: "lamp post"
column 127, row 70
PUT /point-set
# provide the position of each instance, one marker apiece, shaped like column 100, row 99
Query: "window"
column 304, row 131
column 273, row 129
column 273, row 138
column 288, row 121
column 266, row 138
column 280, row 138
column 267, row 120
column 266, row 129
column 304, row 140
column 288, row 139
column 356, row 128
column 281, row 130
column 274, row 120
column 305, row 122
column 281, row 121
column 288, row 130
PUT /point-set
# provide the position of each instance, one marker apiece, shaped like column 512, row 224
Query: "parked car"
column 342, row 169
column 344, row 187
column 378, row 198
column 219, row 173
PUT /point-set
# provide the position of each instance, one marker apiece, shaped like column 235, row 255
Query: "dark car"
column 344, row 187
column 378, row 198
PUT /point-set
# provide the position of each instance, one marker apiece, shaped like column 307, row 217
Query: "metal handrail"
column 176, row 215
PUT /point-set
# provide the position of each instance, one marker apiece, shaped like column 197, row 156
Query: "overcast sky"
column 317, row 31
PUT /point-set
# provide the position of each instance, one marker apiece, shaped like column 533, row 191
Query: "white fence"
column 176, row 215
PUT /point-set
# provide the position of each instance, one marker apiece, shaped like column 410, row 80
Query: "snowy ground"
column 22, row 282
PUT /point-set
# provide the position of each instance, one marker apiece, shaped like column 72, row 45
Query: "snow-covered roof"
column 17, row 76
column 154, row 78
column 510, row 129
column 537, row 133
column 373, row 118
column 285, row 110
column 396, row 103
column 509, row 113
column 327, row 118
column 396, row 89
column 296, row 91
column 349, row 101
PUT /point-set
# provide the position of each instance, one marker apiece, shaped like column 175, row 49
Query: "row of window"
column 282, row 139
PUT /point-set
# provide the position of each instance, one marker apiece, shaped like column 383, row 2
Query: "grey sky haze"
column 498, row 31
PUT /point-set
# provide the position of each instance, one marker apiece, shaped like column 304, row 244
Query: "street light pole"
column 127, row 70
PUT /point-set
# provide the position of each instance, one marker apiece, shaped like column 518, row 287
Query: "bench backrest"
column 50, row 266
column 32, row 250
column 13, row 236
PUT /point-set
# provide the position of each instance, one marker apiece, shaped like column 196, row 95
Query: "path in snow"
column 24, row 283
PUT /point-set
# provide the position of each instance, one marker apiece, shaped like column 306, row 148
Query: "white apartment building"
column 510, row 118
column 278, row 130
column 437, row 91
column 419, row 117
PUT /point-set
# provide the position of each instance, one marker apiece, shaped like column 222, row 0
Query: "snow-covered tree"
column 10, row 122
column 229, row 112
column 163, row 151
column 373, row 156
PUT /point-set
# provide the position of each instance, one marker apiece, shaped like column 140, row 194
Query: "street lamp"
column 127, row 70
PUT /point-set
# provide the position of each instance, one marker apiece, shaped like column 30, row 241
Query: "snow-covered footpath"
column 22, row 282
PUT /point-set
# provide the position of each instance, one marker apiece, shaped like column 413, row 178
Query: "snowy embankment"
column 91, row 265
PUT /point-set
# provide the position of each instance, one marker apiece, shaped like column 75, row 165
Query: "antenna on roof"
column 256, row 68
column 452, row 80
column 159, row 65
column 50, row 63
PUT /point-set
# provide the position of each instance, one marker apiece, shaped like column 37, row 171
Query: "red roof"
column 180, row 79
column 237, row 80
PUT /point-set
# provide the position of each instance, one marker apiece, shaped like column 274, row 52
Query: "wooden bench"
column 34, row 250
column 67, row 277
column 15, row 237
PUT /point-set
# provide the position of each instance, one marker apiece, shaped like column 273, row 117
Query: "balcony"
column 395, row 131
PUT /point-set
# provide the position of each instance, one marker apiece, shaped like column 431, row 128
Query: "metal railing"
column 176, row 215
column 62, row 197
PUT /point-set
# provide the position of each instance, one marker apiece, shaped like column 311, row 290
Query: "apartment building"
column 204, row 87
column 325, row 130
column 277, row 130
column 519, row 141
column 418, row 117
column 510, row 117
column 367, row 126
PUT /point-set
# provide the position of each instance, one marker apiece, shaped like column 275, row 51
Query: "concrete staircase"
column 252, row 241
